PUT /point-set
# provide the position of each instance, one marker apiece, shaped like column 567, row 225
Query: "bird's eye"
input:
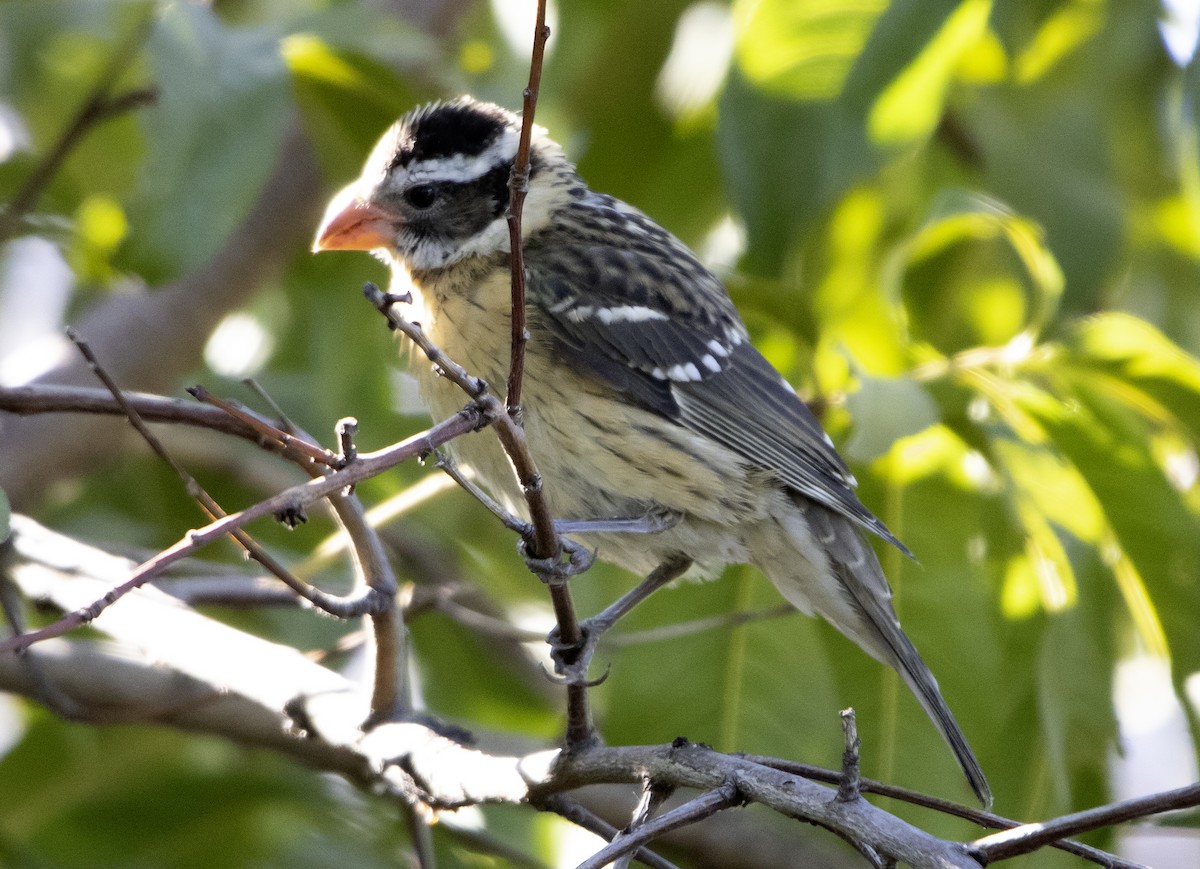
column 421, row 196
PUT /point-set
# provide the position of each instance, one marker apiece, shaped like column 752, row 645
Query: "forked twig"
column 551, row 569
column 368, row 465
column 578, row 814
column 704, row 806
column 270, row 433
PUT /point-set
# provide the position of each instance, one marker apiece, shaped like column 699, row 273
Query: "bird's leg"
column 571, row 661
column 576, row 558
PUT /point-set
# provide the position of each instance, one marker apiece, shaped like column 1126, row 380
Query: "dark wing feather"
column 659, row 327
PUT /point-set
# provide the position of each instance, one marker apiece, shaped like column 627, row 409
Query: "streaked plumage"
column 643, row 393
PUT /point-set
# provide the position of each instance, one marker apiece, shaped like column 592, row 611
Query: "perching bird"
column 642, row 392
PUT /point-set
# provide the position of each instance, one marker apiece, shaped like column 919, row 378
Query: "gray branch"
column 177, row 667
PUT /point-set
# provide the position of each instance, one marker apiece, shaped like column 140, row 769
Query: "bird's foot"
column 573, row 560
column 572, row 660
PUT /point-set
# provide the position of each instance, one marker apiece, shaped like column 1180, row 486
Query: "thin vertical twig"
column 849, row 787
column 545, row 543
column 518, row 186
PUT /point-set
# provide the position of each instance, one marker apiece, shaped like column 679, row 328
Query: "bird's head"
column 435, row 189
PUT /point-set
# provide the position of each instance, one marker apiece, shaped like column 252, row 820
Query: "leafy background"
column 970, row 232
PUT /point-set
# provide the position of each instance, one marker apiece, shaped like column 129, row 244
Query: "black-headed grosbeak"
column 643, row 394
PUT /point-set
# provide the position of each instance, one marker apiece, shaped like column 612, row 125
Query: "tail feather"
column 862, row 610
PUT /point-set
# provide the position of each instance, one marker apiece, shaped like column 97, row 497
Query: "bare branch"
column 149, row 339
column 546, row 545
column 212, row 510
column 368, row 465
column 242, row 693
column 40, row 398
column 1027, row 838
column 580, row 815
column 698, row 809
column 374, row 597
column 267, row 432
column 968, row 813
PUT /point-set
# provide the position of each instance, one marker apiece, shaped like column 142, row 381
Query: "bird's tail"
column 854, row 596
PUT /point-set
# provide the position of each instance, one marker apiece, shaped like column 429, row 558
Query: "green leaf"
column 1047, row 155
column 903, row 76
column 976, row 274
column 1109, row 443
column 1133, row 350
column 802, row 49
column 886, row 410
column 785, row 162
column 214, row 135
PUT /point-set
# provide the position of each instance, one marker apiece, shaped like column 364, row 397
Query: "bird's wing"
column 655, row 324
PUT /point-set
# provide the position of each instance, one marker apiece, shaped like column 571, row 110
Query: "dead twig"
column 848, row 787
column 332, row 604
column 368, row 465
column 704, row 806
column 1026, row 838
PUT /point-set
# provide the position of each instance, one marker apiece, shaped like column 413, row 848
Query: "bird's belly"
column 603, row 458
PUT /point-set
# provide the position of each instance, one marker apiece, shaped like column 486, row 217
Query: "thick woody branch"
column 253, row 690
column 968, row 813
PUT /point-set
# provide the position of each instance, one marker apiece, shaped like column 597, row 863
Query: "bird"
column 643, row 394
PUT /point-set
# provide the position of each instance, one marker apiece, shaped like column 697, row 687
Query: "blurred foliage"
column 972, row 232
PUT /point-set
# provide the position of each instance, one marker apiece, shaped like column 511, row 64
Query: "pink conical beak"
column 351, row 224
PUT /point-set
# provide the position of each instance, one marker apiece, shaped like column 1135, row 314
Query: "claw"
column 572, row 678
column 551, row 570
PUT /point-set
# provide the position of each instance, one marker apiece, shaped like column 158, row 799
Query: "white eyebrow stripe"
column 459, row 168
